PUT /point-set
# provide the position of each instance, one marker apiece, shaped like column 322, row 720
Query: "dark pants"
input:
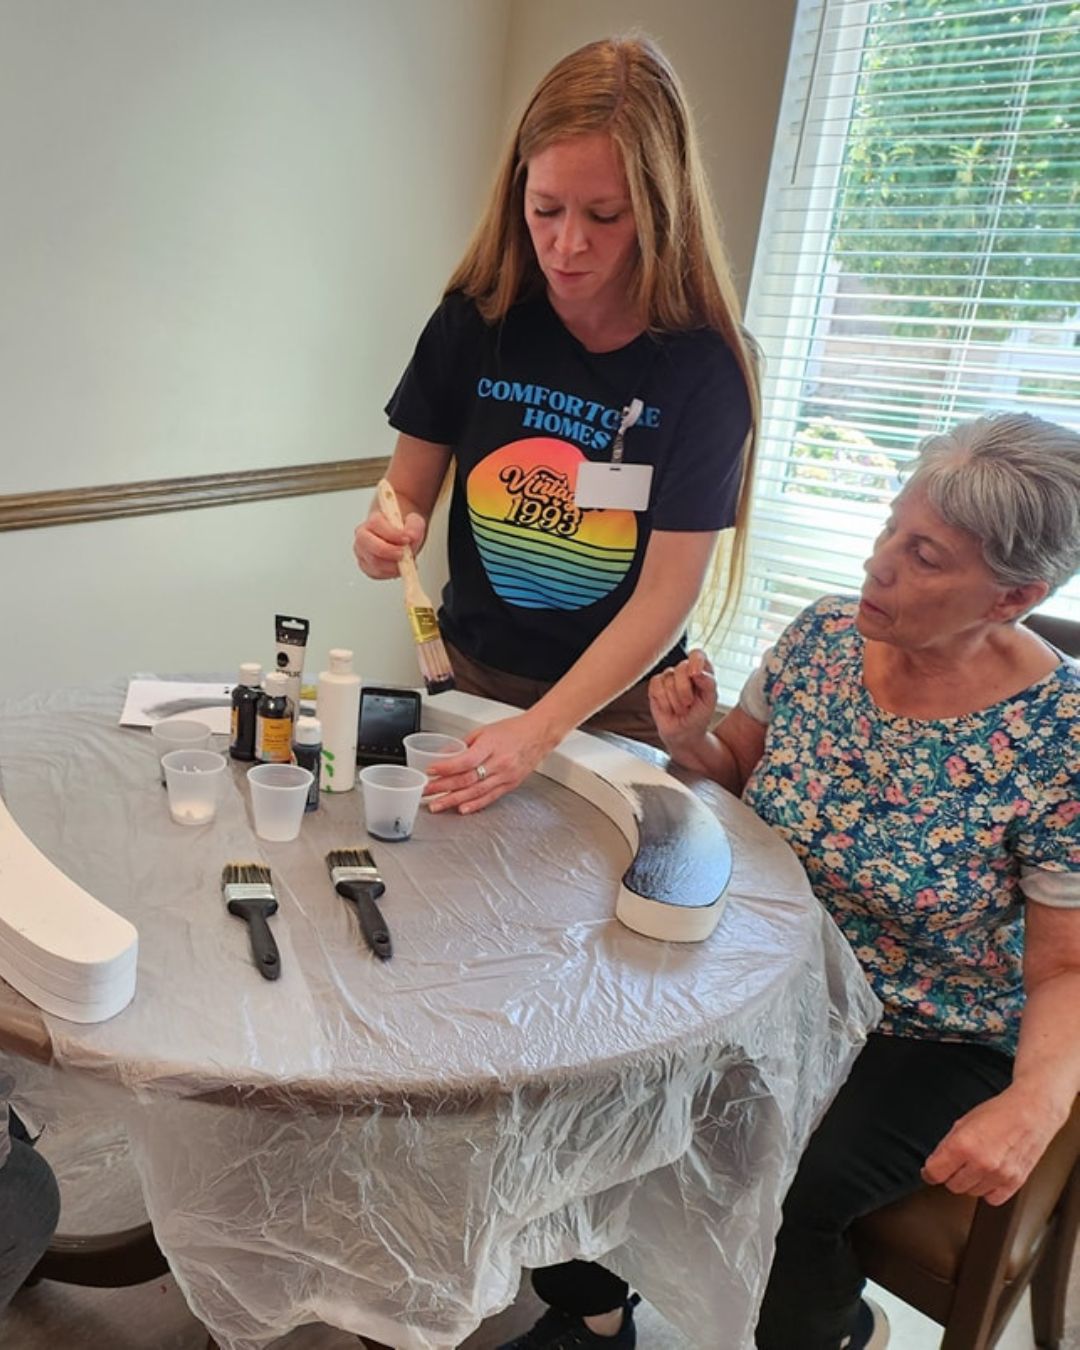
column 900, row 1100
column 626, row 715
column 580, row 1287
column 29, row 1210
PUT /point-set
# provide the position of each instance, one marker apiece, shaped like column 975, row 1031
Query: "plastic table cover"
column 383, row 1146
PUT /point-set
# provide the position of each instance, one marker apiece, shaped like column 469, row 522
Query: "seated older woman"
column 921, row 754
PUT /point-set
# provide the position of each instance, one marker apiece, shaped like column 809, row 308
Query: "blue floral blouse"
column 923, row 839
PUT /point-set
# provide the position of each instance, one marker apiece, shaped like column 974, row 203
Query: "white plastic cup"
column 391, row 799
column 194, row 779
column 278, row 797
column 179, row 734
column 425, row 748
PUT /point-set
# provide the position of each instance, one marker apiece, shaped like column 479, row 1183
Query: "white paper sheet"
column 150, row 701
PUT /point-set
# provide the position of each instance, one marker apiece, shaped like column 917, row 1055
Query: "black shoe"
column 559, row 1331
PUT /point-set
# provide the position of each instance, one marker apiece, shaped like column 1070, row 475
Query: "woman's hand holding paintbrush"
column 430, row 651
column 379, row 544
column 385, row 543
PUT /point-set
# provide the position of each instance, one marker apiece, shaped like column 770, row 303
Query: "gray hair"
column 1013, row 481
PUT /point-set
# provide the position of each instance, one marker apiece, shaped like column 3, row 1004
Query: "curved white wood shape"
column 674, row 887
column 59, row 947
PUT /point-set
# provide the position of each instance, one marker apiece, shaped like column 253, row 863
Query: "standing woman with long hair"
column 587, row 374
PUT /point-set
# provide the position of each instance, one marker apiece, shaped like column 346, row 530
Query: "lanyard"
column 630, row 415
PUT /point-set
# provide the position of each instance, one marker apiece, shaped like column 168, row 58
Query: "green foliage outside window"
column 960, row 184
column 834, row 459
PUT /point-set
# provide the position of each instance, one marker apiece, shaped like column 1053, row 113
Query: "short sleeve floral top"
column 913, row 833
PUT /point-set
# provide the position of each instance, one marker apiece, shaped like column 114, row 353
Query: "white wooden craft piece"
column 674, row 887
column 61, row 948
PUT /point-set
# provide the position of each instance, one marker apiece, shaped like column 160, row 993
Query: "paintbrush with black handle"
column 356, row 878
column 249, row 894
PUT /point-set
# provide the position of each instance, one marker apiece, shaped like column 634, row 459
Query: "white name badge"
column 623, row 487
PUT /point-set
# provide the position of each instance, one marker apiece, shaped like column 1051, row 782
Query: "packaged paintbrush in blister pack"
column 292, row 636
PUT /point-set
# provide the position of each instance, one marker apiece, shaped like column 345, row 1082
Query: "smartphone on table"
column 387, row 716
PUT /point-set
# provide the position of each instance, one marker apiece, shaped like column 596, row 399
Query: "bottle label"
column 273, row 740
column 235, row 725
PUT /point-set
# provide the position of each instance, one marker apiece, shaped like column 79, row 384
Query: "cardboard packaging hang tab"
column 292, row 636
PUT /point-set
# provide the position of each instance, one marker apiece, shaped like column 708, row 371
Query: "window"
column 919, row 264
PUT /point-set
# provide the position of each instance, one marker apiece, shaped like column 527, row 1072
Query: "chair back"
column 965, row 1263
column 1061, row 633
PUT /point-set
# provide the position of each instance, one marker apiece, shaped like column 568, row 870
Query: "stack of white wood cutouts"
column 59, row 947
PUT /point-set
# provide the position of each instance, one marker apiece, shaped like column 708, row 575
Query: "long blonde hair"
column 681, row 278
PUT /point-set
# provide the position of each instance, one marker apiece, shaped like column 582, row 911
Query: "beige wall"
column 224, row 223
column 730, row 54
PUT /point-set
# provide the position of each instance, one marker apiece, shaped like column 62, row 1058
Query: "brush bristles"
column 247, row 881
column 435, row 666
column 430, row 649
column 250, row 872
column 434, row 663
column 350, row 860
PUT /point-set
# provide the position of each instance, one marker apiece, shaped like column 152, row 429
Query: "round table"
column 383, row 1146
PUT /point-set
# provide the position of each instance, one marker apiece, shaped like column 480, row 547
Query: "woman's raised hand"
column 683, row 702
column 378, row 545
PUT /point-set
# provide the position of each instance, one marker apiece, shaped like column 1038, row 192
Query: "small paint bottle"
column 307, row 751
column 274, row 721
column 245, row 698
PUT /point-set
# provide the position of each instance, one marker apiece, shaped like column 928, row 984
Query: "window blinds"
column 919, row 263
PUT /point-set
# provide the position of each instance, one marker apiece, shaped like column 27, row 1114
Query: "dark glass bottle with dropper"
column 274, row 721
column 245, row 698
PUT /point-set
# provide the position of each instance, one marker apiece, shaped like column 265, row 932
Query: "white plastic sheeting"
column 383, row 1146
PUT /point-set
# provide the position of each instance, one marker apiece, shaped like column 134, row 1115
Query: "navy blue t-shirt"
column 533, row 577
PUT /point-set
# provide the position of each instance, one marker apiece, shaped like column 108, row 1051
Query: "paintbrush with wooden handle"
column 430, row 648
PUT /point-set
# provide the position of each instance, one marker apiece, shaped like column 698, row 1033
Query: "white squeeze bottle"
column 337, row 705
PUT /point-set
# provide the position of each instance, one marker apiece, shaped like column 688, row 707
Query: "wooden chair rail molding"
column 35, row 510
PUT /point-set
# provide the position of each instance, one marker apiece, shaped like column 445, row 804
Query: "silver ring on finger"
column 481, row 773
